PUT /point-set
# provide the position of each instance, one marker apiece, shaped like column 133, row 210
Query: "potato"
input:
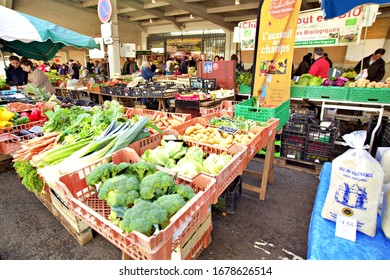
column 189, row 130
column 186, row 137
column 251, row 135
column 225, row 134
column 199, row 126
column 203, row 130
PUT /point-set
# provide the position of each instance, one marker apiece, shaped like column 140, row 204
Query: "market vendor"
column 14, row 73
column 320, row 65
column 374, row 64
column 36, row 76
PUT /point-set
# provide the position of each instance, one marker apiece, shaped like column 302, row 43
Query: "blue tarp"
column 335, row 8
column 324, row 245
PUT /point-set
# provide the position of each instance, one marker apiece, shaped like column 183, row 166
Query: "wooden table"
column 67, row 91
column 161, row 100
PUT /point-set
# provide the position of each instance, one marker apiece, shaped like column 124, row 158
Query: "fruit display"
column 365, row 83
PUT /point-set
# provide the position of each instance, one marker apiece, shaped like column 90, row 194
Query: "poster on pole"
column 274, row 51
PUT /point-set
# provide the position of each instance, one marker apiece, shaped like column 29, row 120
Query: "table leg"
column 268, row 171
column 100, row 99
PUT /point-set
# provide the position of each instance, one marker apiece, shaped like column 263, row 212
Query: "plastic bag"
column 355, row 185
column 386, row 211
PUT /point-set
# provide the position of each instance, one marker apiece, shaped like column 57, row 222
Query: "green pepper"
column 22, row 120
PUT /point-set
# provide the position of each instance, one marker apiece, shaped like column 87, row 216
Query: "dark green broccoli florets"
column 171, row 203
column 142, row 169
column 185, row 191
column 105, row 171
column 143, row 216
column 155, row 185
column 120, row 190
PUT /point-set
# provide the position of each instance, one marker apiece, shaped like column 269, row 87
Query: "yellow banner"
column 274, row 51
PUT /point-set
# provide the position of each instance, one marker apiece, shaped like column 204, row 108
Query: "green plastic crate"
column 245, row 89
column 380, row 95
column 327, row 93
column 263, row 114
column 297, row 91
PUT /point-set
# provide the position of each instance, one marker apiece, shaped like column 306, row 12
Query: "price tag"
column 228, row 129
column 346, row 227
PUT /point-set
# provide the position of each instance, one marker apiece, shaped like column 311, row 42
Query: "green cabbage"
column 214, row 163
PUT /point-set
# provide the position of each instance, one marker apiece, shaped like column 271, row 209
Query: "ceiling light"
column 191, row 16
column 237, row 2
column 154, row 1
column 151, row 20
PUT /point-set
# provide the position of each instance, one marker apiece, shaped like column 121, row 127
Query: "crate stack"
column 320, row 142
column 294, row 137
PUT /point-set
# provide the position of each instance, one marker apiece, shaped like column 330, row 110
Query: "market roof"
column 223, row 13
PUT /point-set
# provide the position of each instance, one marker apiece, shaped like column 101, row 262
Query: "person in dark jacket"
column 15, row 76
column 184, row 65
column 374, row 64
column 328, row 59
column 303, row 67
column 146, row 71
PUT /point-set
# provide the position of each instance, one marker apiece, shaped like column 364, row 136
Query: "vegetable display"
column 141, row 198
column 238, row 122
column 211, row 135
column 187, row 161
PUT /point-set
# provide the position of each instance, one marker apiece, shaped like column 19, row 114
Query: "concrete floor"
column 273, row 229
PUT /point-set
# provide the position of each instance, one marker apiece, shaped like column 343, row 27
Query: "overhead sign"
column 104, row 10
column 314, row 30
column 274, row 51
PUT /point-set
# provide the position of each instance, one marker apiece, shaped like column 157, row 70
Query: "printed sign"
column 314, row 30
column 274, row 51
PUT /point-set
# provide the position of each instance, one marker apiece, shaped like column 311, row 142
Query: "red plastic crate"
column 226, row 106
column 83, row 201
column 262, row 134
column 130, row 112
column 10, row 142
column 229, row 172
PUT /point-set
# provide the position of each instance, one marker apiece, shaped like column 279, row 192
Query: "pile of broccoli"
column 140, row 197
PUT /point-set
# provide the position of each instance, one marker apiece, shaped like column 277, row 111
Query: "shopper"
column 75, row 71
column 221, row 58
column 90, row 66
column 36, row 76
column 15, row 76
column 184, row 65
column 63, row 69
column 320, row 66
column 303, row 67
column 103, row 72
column 239, row 66
column 328, row 59
column 146, row 71
column 133, row 66
column 177, row 71
column 169, row 66
column 126, row 67
column 202, row 57
column 374, row 64
column 84, row 73
column 216, row 58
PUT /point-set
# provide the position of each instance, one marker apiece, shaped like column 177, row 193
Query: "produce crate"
column 161, row 114
column 327, row 92
column 19, row 107
column 196, row 243
column 225, row 177
column 83, row 201
column 10, row 142
column 262, row 114
column 380, row 95
column 293, row 145
column 297, row 91
column 130, row 112
column 262, row 134
column 225, row 106
column 318, row 152
column 217, row 114
column 228, row 200
column 297, row 124
column 245, row 89
column 322, row 134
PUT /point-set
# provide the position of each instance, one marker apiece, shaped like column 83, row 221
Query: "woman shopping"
column 36, row 76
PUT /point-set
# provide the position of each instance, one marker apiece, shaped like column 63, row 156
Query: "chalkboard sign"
column 228, row 129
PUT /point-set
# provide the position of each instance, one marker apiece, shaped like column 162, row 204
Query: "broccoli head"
column 120, row 190
column 185, row 191
column 155, row 185
column 142, row 169
column 105, row 171
column 171, row 203
column 143, row 217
